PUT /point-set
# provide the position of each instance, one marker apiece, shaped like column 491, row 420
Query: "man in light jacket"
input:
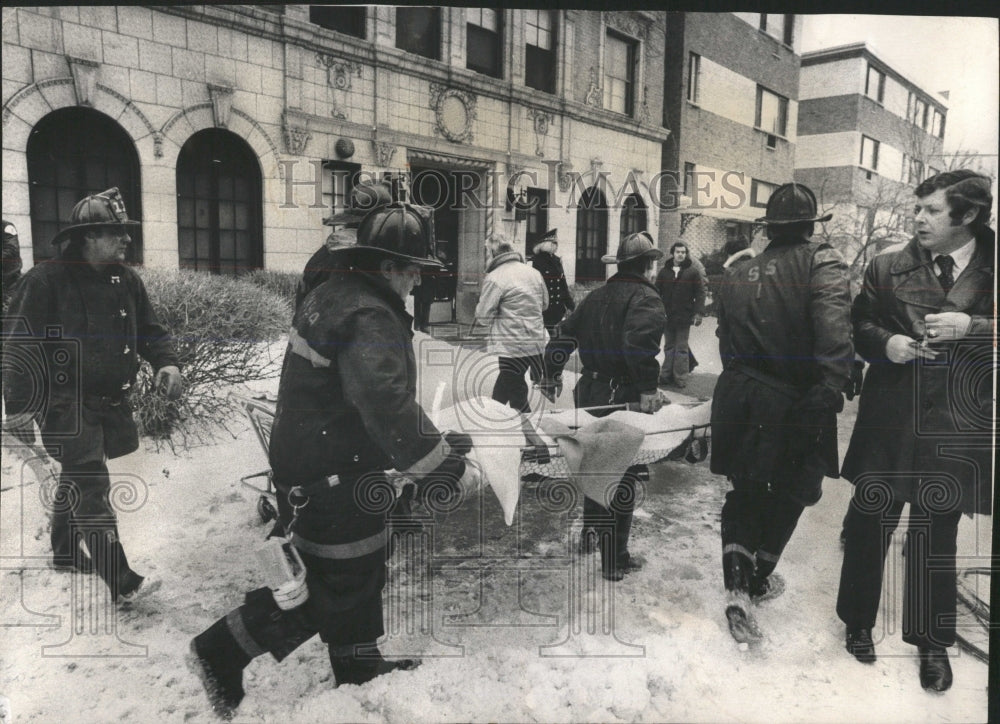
column 510, row 305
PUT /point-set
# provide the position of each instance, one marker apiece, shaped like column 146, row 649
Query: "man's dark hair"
column 679, row 244
column 965, row 190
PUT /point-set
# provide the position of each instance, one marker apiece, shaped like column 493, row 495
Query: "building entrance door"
column 459, row 225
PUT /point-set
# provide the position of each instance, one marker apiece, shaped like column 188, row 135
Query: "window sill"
column 769, row 133
column 693, row 104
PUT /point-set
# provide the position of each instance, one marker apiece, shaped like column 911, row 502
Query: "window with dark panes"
column 869, row 153
column 338, row 182
column 591, row 235
column 778, row 26
column 418, row 30
column 347, row 20
column 219, row 205
column 688, row 177
column 875, row 84
column 484, row 41
column 694, row 77
column 772, row 112
column 760, row 192
column 71, row 153
column 537, row 217
column 633, row 218
column 540, row 50
column 619, row 73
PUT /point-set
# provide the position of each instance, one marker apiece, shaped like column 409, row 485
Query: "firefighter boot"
column 616, row 561
column 737, row 572
column 360, row 663
column 218, row 660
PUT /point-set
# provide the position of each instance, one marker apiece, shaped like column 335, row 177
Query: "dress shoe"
column 860, row 645
column 935, row 669
column 136, row 588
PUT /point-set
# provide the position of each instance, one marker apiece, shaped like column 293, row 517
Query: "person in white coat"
column 511, row 303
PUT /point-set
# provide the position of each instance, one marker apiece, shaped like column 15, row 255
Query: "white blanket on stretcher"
column 497, row 438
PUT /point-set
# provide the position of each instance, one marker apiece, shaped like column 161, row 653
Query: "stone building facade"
column 731, row 96
column 235, row 130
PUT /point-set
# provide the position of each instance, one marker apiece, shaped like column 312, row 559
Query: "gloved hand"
column 650, row 402
column 441, row 487
column 551, row 387
column 169, row 381
column 853, row 386
column 820, row 398
column 459, row 442
column 697, row 320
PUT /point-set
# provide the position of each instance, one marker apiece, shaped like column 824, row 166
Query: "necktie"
column 947, row 266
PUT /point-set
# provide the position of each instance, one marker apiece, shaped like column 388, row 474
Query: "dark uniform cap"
column 95, row 211
column 632, row 247
column 790, row 204
column 401, row 230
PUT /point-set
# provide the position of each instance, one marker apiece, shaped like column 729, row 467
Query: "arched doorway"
column 73, row 152
column 591, row 235
column 219, row 227
column 633, row 216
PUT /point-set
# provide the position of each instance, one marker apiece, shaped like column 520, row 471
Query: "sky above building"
column 954, row 54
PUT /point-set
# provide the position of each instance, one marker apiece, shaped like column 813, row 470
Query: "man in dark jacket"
column 75, row 330
column 550, row 267
column 347, row 411
column 924, row 321
column 682, row 290
column 11, row 259
column 785, row 342
column 616, row 330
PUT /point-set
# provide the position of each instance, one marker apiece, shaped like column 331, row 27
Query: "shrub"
column 222, row 328
column 281, row 283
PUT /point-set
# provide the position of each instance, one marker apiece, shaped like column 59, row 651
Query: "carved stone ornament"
column 296, row 138
column 541, row 121
column 625, row 22
column 338, row 78
column 222, row 103
column 565, row 176
column 454, row 112
column 383, row 152
column 593, row 95
column 84, row 79
column 158, row 144
column 643, row 115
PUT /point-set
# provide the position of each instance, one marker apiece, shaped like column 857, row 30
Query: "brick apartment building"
column 731, row 91
column 867, row 136
column 235, row 130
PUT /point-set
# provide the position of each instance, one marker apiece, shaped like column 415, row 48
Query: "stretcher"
column 544, row 459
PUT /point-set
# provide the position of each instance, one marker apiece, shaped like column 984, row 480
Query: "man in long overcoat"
column 924, row 321
column 682, row 290
column 785, row 342
column 549, row 265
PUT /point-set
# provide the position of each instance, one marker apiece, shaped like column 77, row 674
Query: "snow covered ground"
column 512, row 624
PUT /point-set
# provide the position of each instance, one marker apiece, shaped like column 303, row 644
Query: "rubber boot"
column 616, row 560
column 765, row 584
column 737, row 572
column 351, row 668
column 218, row 660
column 109, row 560
column 593, row 516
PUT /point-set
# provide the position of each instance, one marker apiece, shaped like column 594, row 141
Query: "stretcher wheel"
column 265, row 509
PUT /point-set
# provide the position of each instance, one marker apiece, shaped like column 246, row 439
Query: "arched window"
column 633, row 215
column 219, row 205
column 591, row 235
column 73, row 152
